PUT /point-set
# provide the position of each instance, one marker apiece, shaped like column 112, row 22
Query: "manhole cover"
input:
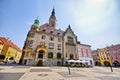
column 42, row 75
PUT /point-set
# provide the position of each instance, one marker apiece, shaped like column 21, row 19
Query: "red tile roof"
column 49, row 28
column 9, row 43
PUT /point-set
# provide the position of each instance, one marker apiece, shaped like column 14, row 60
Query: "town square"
column 59, row 40
column 58, row 73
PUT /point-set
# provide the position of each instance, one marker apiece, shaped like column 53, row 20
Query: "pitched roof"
column 49, row 29
column 9, row 43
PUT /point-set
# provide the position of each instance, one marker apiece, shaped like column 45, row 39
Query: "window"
column 43, row 37
column 40, row 56
column 52, row 25
column 51, row 32
column 44, row 30
column 59, row 46
column 58, row 33
column 59, row 39
column 32, row 35
column 58, row 55
column 71, row 56
column 31, row 43
column 51, row 45
column 70, row 39
column 42, row 43
column 52, row 38
column 50, row 55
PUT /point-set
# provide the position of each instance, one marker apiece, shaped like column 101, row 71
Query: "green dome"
column 36, row 23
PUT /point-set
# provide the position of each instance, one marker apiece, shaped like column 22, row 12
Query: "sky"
column 95, row 22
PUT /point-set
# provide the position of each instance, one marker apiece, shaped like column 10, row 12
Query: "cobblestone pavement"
column 58, row 73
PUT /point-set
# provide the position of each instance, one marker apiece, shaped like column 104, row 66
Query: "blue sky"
column 95, row 22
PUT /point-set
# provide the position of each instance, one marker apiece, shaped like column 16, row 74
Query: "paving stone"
column 10, row 76
column 108, row 78
column 102, row 72
column 40, row 70
column 73, row 74
column 21, row 67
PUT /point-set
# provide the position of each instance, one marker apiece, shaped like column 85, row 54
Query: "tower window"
column 52, row 25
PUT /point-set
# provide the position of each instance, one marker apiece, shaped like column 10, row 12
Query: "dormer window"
column 58, row 33
column 51, row 32
column 44, row 30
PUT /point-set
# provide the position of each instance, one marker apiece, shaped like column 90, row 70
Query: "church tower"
column 52, row 19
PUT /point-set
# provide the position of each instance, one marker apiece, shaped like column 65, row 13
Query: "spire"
column 52, row 19
column 69, row 26
column 53, row 12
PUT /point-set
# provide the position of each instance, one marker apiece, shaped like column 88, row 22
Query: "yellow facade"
column 13, row 53
column 104, row 57
column 1, row 47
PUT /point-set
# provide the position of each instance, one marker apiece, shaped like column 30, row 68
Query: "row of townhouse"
column 109, row 55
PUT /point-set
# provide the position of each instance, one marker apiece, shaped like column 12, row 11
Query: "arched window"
column 71, row 56
column 40, row 55
column 43, row 37
column 58, row 55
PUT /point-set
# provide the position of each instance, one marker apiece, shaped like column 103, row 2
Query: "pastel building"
column 1, row 46
column 84, row 53
column 96, row 57
column 114, row 52
column 10, row 50
column 101, row 57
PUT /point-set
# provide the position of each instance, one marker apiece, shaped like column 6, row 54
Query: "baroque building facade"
column 102, row 57
column 10, row 50
column 46, row 45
